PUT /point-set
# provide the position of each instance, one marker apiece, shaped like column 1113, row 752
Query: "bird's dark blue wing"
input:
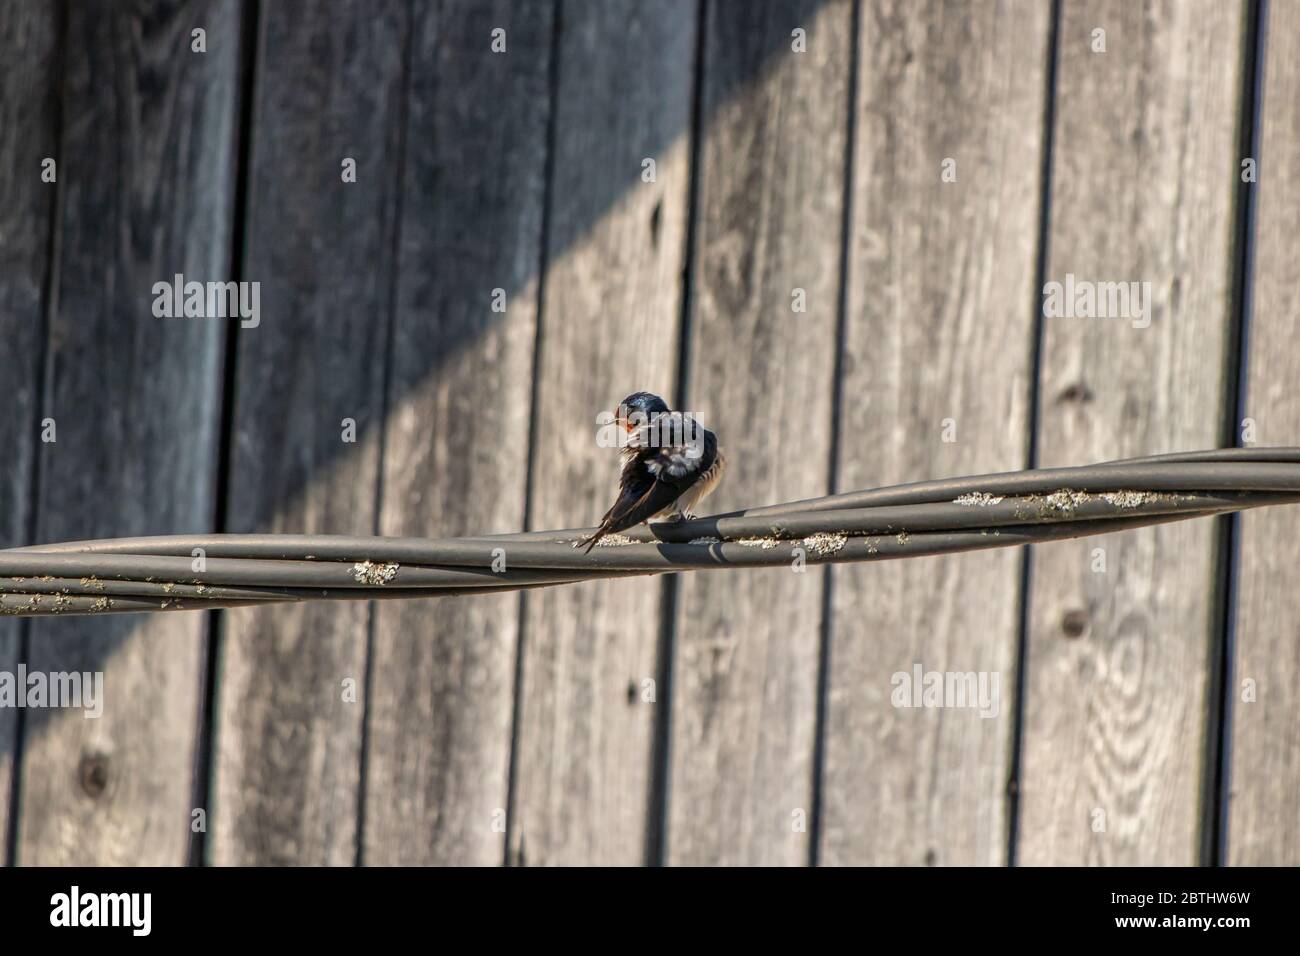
column 641, row 496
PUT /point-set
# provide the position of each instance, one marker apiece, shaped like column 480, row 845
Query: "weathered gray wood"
column 610, row 326
column 769, row 223
column 940, row 326
column 292, row 679
column 29, row 47
column 455, row 462
column 136, row 403
column 1143, row 186
column 1265, row 745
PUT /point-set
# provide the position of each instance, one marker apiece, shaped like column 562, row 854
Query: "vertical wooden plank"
column 610, row 326
column 29, row 110
column 1144, row 174
column 769, row 238
column 940, row 327
column 329, row 88
column 147, row 168
column 1265, row 754
column 442, row 685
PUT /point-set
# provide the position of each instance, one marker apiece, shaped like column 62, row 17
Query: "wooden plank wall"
column 940, row 330
column 459, row 398
column 1265, row 739
column 610, row 314
column 136, row 401
column 1143, row 184
column 768, row 230
column 30, row 48
column 540, row 729
column 330, row 87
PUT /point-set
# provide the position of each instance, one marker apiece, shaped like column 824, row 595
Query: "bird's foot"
column 674, row 517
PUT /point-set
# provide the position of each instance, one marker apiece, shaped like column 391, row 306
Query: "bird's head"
column 639, row 408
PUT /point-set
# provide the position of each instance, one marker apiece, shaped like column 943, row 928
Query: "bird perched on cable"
column 670, row 464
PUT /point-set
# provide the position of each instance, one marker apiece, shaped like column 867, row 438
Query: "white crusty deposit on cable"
column 368, row 572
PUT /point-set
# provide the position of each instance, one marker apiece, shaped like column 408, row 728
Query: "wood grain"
column 288, row 753
column 1143, row 180
column 769, row 222
column 609, row 327
column 136, row 402
column 459, row 396
column 30, row 48
column 940, row 326
column 1265, row 744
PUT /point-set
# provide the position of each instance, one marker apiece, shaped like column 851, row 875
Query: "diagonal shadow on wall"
column 124, row 468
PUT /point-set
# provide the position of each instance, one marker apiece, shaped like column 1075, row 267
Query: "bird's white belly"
column 696, row 493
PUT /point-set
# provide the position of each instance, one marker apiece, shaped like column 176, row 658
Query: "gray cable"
column 923, row 518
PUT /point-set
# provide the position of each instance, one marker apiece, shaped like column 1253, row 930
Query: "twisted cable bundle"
column 199, row 572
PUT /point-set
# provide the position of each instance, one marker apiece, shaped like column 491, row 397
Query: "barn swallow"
column 670, row 464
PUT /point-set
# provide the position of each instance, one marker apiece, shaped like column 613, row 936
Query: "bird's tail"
column 590, row 540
